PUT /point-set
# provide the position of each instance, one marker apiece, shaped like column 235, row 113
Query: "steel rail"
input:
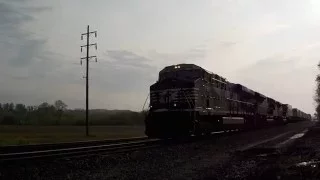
column 49, row 146
column 81, row 151
column 91, row 148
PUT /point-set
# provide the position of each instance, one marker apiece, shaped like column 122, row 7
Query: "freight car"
column 298, row 115
column 187, row 99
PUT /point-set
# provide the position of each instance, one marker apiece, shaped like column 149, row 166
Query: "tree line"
column 317, row 95
column 58, row 114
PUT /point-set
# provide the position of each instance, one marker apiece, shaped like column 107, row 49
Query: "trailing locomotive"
column 187, row 99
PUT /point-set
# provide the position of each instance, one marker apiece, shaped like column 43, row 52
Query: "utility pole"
column 87, row 58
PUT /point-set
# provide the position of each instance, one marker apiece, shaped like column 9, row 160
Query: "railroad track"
column 89, row 148
column 48, row 146
column 75, row 149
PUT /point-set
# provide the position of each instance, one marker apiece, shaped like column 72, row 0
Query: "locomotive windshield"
column 183, row 74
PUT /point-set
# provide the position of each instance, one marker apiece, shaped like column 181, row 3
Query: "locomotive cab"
column 172, row 101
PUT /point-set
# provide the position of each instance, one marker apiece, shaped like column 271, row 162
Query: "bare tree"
column 60, row 108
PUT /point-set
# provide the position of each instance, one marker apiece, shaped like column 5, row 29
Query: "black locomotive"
column 187, row 100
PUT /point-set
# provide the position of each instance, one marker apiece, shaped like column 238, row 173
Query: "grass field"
column 17, row 135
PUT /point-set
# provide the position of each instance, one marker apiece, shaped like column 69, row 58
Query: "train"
column 189, row 100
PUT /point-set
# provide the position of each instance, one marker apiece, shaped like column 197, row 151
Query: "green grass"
column 18, row 135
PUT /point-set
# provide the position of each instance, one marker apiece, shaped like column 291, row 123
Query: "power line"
column 87, row 58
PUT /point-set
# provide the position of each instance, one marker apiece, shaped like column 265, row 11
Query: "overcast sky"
column 271, row 46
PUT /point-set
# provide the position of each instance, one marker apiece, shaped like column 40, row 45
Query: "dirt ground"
column 299, row 160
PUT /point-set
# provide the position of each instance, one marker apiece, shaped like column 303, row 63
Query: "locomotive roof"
column 179, row 66
column 191, row 67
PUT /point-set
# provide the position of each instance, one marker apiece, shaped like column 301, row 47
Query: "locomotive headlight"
column 174, row 104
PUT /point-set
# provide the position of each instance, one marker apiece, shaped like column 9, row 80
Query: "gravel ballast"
column 213, row 158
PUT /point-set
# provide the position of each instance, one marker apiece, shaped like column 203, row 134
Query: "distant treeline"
column 58, row 114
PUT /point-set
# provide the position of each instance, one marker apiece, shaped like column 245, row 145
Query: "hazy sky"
column 271, row 46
